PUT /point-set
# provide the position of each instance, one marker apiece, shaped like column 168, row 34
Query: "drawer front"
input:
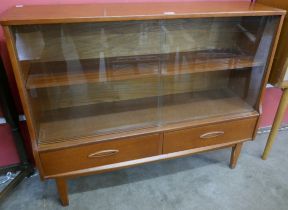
column 98, row 154
column 218, row 133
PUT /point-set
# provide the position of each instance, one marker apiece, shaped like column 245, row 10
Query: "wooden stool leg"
column 276, row 124
column 235, row 155
column 62, row 191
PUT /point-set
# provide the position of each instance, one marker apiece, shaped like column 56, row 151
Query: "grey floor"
column 198, row 182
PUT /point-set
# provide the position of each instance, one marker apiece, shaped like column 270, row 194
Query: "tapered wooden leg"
column 62, row 191
column 235, row 155
column 276, row 124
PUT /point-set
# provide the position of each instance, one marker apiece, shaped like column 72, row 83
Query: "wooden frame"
column 150, row 143
column 278, row 75
column 280, row 64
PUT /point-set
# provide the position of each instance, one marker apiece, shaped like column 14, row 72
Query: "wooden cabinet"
column 107, row 86
column 279, row 73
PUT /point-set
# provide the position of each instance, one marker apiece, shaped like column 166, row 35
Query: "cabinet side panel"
column 23, row 94
column 278, row 74
column 270, row 60
column 279, row 69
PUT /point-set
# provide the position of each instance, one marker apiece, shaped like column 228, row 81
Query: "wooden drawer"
column 223, row 132
column 102, row 153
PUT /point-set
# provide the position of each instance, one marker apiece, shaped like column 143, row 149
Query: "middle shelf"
column 72, row 72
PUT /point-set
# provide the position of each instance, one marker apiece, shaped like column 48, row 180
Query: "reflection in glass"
column 99, row 78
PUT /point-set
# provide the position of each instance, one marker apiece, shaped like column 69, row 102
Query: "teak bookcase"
column 108, row 86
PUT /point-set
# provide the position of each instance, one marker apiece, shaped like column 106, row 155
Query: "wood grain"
column 74, row 142
column 117, row 91
column 70, row 159
column 127, row 164
column 191, row 138
column 236, row 150
column 67, row 42
column 279, row 75
column 276, row 123
column 62, row 191
column 270, row 58
column 61, row 125
column 54, row 74
column 131, row 11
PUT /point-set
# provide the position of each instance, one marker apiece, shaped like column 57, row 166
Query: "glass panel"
column 213, row 66
column 90, row 78
column 96, row 78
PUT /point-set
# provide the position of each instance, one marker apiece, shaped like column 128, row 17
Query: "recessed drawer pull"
column 212, row 134
column 103, row 153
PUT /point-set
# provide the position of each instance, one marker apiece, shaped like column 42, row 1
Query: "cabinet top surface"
column 50, row 14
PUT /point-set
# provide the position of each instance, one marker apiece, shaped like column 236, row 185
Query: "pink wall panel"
column 270, row 104
column 8, row 153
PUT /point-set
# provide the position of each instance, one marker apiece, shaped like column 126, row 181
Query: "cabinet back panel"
column 96, row 40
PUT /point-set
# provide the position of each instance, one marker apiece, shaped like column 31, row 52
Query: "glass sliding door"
column 213, row 66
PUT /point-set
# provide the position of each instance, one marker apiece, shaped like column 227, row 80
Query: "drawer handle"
column 212, row 134
column 103, row 153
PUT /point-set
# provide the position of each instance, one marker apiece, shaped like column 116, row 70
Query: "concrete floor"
column 201, row 181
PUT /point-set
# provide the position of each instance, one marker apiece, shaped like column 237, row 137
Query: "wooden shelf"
column 60, row 73
column 47, row 14
column 41, row 75
column 95, row 93
column 207, row 61
column 79, row 122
